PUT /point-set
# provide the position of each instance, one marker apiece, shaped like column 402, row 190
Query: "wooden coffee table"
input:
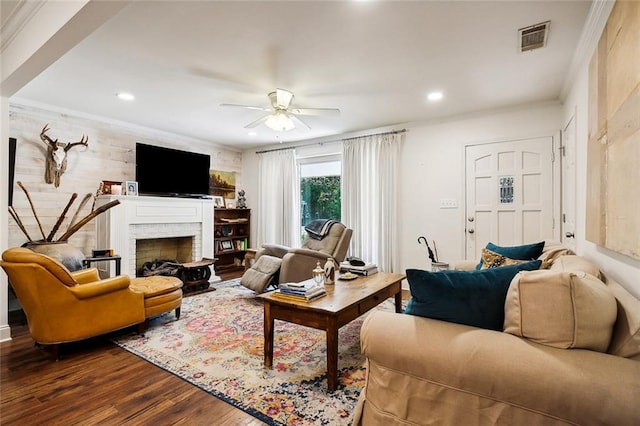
column 344, row 302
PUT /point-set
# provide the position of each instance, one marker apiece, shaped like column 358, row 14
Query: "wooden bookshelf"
column 232, row 229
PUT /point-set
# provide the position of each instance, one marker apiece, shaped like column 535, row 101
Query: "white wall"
column 623, row 269
column 432, row 168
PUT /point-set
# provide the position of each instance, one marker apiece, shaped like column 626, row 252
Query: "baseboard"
column 5, row 333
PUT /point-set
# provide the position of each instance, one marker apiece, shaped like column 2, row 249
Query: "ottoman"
column 161, row 294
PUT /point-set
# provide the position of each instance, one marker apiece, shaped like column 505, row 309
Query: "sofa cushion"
column 561, row 309
column 473, row 298
column 522, row 252
column 625, row 341
column 491, row 259
column 573, row 263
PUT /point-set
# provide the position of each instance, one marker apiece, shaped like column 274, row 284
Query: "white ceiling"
column 375, row 61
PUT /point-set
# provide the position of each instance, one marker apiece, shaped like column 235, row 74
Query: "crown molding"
column 593, row 27
column 18, row 18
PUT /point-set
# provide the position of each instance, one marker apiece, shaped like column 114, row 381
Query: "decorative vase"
column 329, row 272
column 318, row 274
column 70, row 256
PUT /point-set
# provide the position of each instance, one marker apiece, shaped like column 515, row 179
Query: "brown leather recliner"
column 63, row 306
column 297, row 263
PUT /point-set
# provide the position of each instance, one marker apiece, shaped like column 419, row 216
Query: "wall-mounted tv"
column 171, row 172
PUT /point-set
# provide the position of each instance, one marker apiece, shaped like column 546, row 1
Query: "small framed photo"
column 218, row 202
column 230, row 203
column 226, row 245
column 131, row 187
column 110, row 187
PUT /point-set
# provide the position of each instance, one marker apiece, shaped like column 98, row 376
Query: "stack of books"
column 367, row 269
column 304, row 291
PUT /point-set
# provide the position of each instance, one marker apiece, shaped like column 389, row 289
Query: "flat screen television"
column 171, row 172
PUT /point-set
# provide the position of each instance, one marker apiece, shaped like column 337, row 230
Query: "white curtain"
column 278, row 199
column 370, row 176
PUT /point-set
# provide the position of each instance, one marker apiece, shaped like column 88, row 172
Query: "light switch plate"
column 448, row 203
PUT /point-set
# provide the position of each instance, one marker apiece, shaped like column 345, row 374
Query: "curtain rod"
column 392, row 132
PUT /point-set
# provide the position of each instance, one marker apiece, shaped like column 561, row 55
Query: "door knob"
column 470, row 218
column 471, row 231
column 569, row 235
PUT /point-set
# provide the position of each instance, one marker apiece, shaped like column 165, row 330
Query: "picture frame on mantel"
column 131, row 188
column 218, row 202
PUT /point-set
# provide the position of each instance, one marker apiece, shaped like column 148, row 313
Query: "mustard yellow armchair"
column 63, row 306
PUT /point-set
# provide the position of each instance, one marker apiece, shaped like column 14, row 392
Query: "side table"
column 87, row 261
column 249, row 257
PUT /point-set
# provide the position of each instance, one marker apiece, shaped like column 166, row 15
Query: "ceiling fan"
column 281, row 117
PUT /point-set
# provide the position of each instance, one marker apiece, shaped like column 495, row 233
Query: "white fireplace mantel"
column 142, row 217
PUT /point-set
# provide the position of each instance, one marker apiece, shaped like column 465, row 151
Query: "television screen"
column 171, row 172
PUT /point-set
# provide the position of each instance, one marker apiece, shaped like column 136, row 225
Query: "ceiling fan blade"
column 247, row 107
column 299, row 120
column 316, row 111
column 258, row 122
column 283, row 98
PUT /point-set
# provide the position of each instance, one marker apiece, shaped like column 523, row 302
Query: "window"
column 319, row 189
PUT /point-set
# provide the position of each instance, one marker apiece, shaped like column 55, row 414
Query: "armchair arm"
column 84, row 276
column 99, row 288
column 311, row 253
column 276, row 250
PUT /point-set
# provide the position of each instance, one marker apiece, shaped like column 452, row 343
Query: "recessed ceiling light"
column 434, row 96
column 252, row 133
column 125, row 96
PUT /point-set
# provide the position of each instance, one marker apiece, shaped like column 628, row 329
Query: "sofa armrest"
column 99, row 288
column 440, row 364
column 84, row 276
column 275, row 250
column 465, row 265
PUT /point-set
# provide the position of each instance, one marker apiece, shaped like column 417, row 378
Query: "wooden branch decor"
column 73, row 227
column 33, row 208
column 61, row 218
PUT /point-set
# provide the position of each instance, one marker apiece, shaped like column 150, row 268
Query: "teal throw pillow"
column 473, row 298
column 523, row 252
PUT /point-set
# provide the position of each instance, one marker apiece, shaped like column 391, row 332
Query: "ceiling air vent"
column 533, row 37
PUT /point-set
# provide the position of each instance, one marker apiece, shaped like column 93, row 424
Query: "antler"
column 46, row 139
column 84, row 141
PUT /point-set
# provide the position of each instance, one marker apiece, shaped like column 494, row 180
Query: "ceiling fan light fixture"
column 280, row 121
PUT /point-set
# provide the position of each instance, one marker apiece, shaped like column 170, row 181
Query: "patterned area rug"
column 217, row 345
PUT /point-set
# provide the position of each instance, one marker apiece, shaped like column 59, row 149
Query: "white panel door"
column 569, row 185
column 509, row 193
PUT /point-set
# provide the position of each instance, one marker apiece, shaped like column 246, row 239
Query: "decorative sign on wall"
column 506, row 190
column 613, row 152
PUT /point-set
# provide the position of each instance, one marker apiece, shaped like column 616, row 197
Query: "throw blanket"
column 318, row 229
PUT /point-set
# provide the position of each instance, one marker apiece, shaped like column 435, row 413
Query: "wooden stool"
column 195, row 275
column 161, row 294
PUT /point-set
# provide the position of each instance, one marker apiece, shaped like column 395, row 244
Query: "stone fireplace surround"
column 143, row 217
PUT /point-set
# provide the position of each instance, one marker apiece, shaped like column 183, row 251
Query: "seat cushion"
column 155, row 285
column 561, row 309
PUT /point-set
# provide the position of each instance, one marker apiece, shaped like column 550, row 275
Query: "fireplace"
column 179, row 249
column 139, row 219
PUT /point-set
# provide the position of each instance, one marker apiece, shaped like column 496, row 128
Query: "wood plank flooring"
column 96, row 382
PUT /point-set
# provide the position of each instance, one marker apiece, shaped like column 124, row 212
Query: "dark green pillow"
column 523, row 252
column 465, row 297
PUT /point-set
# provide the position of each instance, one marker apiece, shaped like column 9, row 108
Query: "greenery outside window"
column 319, row 189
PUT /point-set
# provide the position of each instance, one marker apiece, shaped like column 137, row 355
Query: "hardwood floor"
column 96, row 382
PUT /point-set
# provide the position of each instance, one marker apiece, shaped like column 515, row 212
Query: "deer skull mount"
column 56, row 160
